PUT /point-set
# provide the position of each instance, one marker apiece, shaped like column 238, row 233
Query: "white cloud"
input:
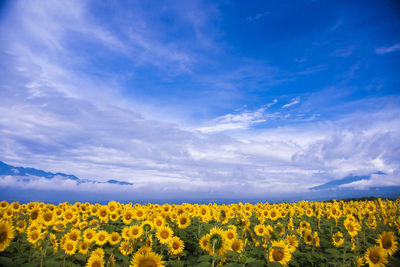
column 257, row 16
column 385, row 50
column 294, row 102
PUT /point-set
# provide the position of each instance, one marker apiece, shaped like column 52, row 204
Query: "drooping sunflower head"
column 388, row 242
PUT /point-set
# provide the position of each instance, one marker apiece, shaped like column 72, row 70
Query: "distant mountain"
column 6, row 169
column 346, row 180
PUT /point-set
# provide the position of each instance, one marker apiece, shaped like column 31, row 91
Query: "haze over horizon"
column 201, row 98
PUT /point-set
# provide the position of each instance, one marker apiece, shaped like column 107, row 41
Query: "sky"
column 202, row 98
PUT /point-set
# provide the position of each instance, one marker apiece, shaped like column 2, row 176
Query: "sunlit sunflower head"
column 176, row 245
column 388, row 242
column 292, row 242
column 127, row 216
column 274, row 214
column 236, row 245
column 69, row 215
column 183, row 221
column 83, row 247
column 114, row 216
column 204, row 242
column 159, row 221
column 6, row 234
column 164, row 234
column 33, row 236
column 259, row 229
column 103, row 213
column 95, row 260
column 376, row 257
column 89, row 235
column 280, row 252
column 69, row 247
column 308, row 237
column 74, row 235
column 135, row 232
column 114, row 238
column 147, row 260
column 231, row 234
column 48, row 217
column 101, row 237
column 337, row 239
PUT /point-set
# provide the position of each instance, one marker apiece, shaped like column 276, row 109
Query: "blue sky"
column 225, row 98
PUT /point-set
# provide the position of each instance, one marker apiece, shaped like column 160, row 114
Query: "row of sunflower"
column 336, row 233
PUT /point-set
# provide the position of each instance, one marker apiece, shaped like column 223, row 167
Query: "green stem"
column 213, row 261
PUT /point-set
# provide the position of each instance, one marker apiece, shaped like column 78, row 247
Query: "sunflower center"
column 135, row 231
column 278, row 254
column 103, row 214
column 183, row 220
column 235, row 246
column 374, row 257
column 48, row 217
column 309, row 238
column 230, row 235
column 35, row 236
column 96, row 263
column 70, row 247
column 164, row 234
column 387, row 244
column 128, row 216
column 3, row 236
column 175, row 245
column 68, row 216
column 148, row 263
column 102, row 237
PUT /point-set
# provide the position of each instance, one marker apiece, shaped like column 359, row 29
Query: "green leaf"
column 257, row 263
column 205, row 258
column 203, row 264
column 4, row 261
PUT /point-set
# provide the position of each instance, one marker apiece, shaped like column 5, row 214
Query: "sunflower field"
column 336, row 233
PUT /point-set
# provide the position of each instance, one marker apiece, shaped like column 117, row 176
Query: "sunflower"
column 69, row 247
column 376, row 257
column 150, row 259
column 124, row 248
column 89, row 235
column 204, row 241
column 183, row 221
column 114, row 216
column 292, row 242
column 47, row 218
column 259, row 229
column 74, row 235
column 101, row 237
column 236, row 245
column 388, row 242
column 274, row 214
column 102, row 213
column 231, row 234
column 279, row 252
column 135, row 231
column 352, row 226
column 4, row 204
column 6, row 234
column 164, row 234
column 114, row 238
column 159, row 221
column 176, row 245
column 69, row 215
column 83, row 247
column 308, row 237
column 127, row 216
column 337, row 239
column 95, row 260
column 33, row 236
